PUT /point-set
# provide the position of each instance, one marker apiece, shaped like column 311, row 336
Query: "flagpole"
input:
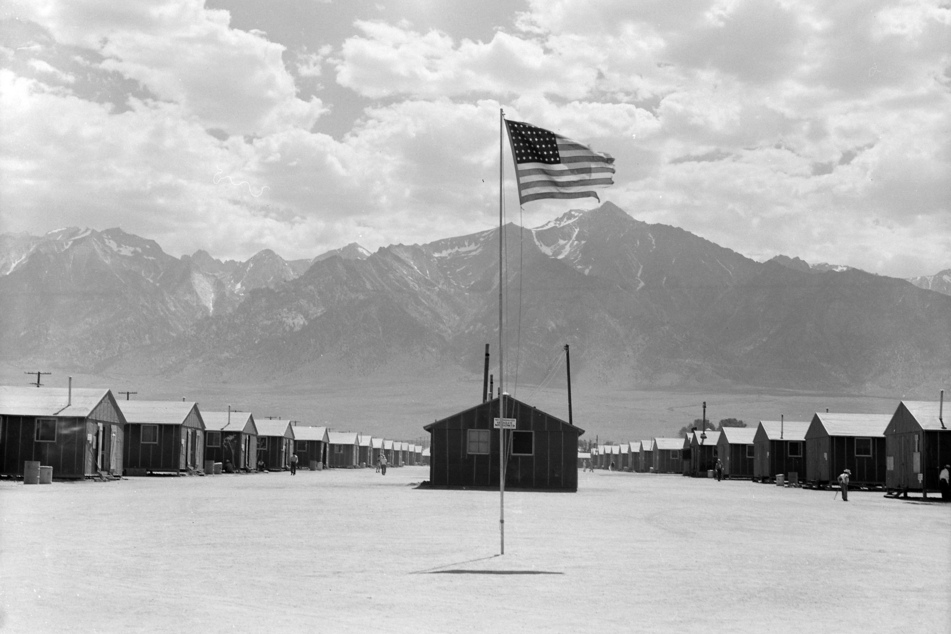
column 501, row 346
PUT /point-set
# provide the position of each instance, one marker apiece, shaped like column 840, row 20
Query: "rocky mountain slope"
column 641, row 305
column 940, row 282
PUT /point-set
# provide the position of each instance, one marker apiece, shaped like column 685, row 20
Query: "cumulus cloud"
column 311, row 64
column 228, row 79
column 387, row 60
column 813, row 129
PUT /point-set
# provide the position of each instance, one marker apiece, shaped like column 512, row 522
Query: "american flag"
column 548, row 165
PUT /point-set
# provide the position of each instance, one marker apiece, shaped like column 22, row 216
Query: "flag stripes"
column 549, row 165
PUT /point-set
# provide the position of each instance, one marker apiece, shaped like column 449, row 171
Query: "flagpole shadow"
column 442, row 570
column 458, row 563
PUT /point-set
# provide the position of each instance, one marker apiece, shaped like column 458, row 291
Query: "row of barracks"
column 83, row 432
column 904, row 451
column 86, row 432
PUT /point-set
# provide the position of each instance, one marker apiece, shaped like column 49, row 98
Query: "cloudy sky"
column 814, row 129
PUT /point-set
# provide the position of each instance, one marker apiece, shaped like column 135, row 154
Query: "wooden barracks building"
column 542, row 450
column 162, row 437
column 917, row 446
column 76, row 431
column 780, row 450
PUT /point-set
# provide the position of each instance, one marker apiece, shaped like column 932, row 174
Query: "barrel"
column 46, row 475
column 209, row 467
column 31, row 472
column 313, row 465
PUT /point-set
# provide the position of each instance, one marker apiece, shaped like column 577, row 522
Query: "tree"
column 697, row 424
column 730, row 422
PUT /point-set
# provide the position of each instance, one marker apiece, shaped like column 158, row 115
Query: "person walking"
column 944, row 482
column 844, row 484
column 383, row 462
column 294, row 464
column 719, row 470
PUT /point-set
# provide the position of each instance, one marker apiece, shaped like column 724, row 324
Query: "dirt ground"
column 350, row 550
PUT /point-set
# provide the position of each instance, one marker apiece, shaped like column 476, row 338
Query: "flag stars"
column 533, row 145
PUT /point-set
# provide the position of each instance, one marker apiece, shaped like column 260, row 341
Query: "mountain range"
column 640, row 305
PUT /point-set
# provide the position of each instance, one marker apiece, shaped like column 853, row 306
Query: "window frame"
column 213, row 439
column 798, row 444
column 870, row 449
column 675, row 454
column 155, row 439
column 300, row 445
column 531, row 434
column 40, row 424
column 478, row 442
column 750, row 451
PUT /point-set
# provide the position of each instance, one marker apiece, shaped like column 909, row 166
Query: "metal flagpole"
column 501, row 346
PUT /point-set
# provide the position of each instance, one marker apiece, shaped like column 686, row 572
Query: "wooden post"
column 568, row 369
column 485, row 376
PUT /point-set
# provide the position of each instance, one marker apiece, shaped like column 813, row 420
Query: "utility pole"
column 38, row 384
column 568, row 368
column 127, row 394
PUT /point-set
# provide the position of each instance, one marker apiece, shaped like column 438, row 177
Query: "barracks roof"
column 49, row 401
column 272, row 427
column 926, row 413
column 739, row 435
column 790, row 429
column 711, row 437
column 493, row 403
column 157, row 412
column 669, row 444
column 219, row 421
column 342, row 437
column 850, row 424
column 308, row 432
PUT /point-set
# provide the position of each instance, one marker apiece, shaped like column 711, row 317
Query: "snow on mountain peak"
column 121, row 249
column 559, row 249
column 467, row 248
column 561, row 221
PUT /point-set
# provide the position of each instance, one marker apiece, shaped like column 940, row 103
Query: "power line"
column 37, row 373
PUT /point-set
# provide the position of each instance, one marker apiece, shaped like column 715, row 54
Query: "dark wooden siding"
column 762, row 461
column 772, row 458
column 312, row 452
column 552, row 465
column 232, row 449
column 702, row 459
column 937, row 454
column 274, row 451
column 67, row 455
column 734, row 458
column 165, row 456
column 645, row 461
column 668, row 460
column 828, row 456
column 344, row 456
